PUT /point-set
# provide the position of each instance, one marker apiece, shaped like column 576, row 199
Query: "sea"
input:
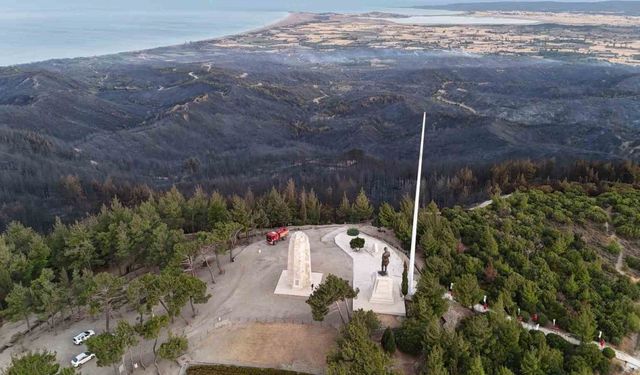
column 36, row 30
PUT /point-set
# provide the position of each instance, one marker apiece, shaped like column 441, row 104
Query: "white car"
column 82, row 358
column 83, row 336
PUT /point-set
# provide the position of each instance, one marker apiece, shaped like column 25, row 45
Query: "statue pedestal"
column 382, row 290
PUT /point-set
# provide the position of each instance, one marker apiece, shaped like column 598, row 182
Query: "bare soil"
column 277, row 345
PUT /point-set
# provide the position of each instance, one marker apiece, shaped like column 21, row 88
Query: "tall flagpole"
column 416, row 207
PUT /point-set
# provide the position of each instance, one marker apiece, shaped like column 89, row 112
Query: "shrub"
column 542, row 319
column 557, row 342
column 353, row 232
column 525, row 315
column 173, row 348
column 389, row 341
column 613, row 247
column 368, row 319
column 357, row 243
column 608, row 353
column 632, row 262
column 409, row 336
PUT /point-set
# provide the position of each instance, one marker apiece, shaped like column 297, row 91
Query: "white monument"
column 297, row 279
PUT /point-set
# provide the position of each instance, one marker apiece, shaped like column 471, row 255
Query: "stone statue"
column 385, row 261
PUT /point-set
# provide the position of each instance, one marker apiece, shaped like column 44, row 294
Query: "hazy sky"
column 212, row 4
column 198, row 4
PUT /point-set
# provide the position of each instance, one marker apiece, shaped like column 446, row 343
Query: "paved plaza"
column 366, row 264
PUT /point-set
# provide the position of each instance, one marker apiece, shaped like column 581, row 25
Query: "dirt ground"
column 277, row 345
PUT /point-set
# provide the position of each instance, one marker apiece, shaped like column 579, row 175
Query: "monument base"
column 284, row 288
column 382, row 290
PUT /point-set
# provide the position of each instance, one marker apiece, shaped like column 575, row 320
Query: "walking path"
column 620, row 262
column 629, row 360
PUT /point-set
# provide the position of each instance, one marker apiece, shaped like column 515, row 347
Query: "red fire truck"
column 277, row 235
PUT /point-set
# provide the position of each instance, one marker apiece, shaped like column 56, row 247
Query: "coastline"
column 293, row 18
column 287, row 19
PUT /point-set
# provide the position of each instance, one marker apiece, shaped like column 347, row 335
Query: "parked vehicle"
column 82, row 358
column 278, row 235
column 83, row 336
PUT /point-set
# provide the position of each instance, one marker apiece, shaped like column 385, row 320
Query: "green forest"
column 532, row 255
column 530, row 252
column 54, row 273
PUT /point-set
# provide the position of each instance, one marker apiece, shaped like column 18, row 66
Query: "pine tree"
column 405, row 280
column 504, row 371
column 332, row 290
column 19, row 304
column 291, row 197
column 36, row 363
column 80, row 252
column 530, row 294
column 170, row 208
column 106, row 290
column 467, row 291
column 387, row 216
column 303, row 217
column 143, row 294
column 277, row 209
column 260, row 218
column 344, row 212
column 57, row 244
column 174, row 347
column 356, row 353
column 314, row 208
column 433, row 333
column 127, row 335
column 476, row 367
column 197, row 210
column 47, row 296
column 362, row 209
column 193, row 288
column 435, row 362
column 217, row 211
column 489, row 242
column 151, row 329
column 241, row 214
column 530, row 364
column 124, row 249
column 388, row 341
column 28, row 250
column 250, row 198
column 109, row 349
column 584, row 325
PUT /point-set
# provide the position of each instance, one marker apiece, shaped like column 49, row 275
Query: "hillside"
column 544, row 255
column 550, row 252
column 226, row 118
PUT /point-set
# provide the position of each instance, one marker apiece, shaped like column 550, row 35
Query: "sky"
column 194, row 4
column 281, row 5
